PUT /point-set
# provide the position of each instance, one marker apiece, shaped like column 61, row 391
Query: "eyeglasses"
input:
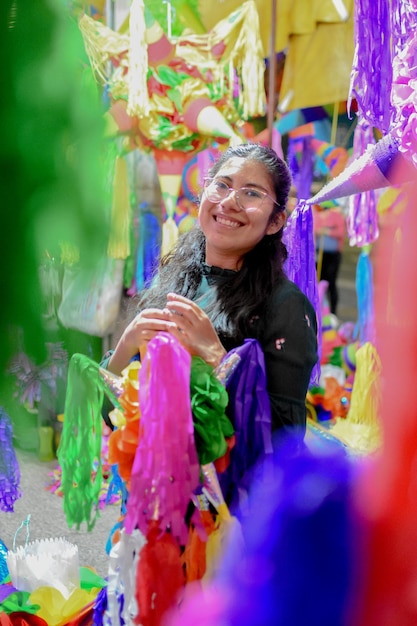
column 246, row 197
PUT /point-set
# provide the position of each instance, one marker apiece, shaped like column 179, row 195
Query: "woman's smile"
column 226, row 221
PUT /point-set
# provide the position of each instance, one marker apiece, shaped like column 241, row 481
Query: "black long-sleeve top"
column 287, row 334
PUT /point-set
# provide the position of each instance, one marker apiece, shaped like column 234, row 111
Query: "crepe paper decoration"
column 250, row 414
column 291, row 120
column 300, row 267
column 159, row 576
column 391, row 161
column 79, row 452
column 21, row 618
column 381, row 165
column 225, row 524
column 119, row 240
column 361, row 430
column 194, row 557
column 138, row 96
column 3, row 564
column 335, row 157
column 110, row 492
column 123, row 441
column 365, row 297
column 170, row 165
column 47, row 562
column 160, row 49
column 362, row 221
column 294, row 535
column 372, row 65
column 404, row 98
column 18, row 601
column 301, row 162
column 9, row 470
column 140, row 268
column 375, row 91
column 121, row 576
column 166, row 457
column 209, row 400
column 57, row 610
column 191, row 93
column 6, row 589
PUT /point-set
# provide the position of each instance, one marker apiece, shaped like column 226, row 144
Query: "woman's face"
column 231, row 231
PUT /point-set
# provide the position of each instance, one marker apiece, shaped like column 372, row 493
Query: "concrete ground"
column 46, row 509
column 47, row 518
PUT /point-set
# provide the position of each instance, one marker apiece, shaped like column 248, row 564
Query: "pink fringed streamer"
column 300, row 266
column 165, row 470
column 362, row 221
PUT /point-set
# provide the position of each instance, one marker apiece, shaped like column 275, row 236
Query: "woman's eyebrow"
column 256, row 185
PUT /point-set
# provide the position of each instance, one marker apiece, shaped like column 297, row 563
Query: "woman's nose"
column 231, row 200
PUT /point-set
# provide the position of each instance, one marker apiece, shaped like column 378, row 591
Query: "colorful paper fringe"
column 300, row 266
column 9, row 467
column 166, row 457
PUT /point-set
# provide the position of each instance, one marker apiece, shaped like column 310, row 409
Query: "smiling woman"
column 224, row 283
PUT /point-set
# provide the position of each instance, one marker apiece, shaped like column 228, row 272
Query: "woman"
column 224, row 282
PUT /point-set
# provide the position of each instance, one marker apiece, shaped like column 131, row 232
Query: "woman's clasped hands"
column 181, row 317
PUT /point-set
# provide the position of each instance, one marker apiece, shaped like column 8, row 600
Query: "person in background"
column 329, row 234
column 224, row 282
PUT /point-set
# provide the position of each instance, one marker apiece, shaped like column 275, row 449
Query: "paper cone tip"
column 382, row 165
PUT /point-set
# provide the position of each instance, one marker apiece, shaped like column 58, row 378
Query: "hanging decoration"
column 198, row 90
column 9, row 467
column 300, row 267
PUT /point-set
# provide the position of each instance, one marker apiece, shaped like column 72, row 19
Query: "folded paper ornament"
column 52, row 562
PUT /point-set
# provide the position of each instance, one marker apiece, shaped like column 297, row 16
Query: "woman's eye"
column 220, row 185
column 251, row 193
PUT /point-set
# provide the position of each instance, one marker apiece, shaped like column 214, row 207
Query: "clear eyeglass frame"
column 246, row 197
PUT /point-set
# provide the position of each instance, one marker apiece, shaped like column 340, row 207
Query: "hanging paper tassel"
column 79, row 452
column 300, row 266
column 365, row 295
column 159, row 576
column 362, row 222
column 123, row 560
column 361, row 429
column 138, row 98
column 166, row 456
column 119, row 241
column 302, row 165
column 9, row 467
column 250, row 50
column 371, row 75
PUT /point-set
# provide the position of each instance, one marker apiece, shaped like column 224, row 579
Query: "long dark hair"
column 240, row 299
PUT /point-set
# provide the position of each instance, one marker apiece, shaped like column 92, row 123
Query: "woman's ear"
column 276, row 224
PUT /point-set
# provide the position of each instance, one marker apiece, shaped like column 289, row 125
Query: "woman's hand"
column 137, row 335
column 193, row 329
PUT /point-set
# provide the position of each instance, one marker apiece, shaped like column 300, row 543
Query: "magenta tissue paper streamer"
column 166, row 456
